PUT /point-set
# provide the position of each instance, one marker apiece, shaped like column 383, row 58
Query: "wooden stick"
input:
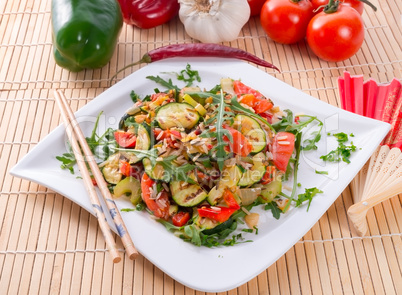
column 88, row 184
column 73, row 126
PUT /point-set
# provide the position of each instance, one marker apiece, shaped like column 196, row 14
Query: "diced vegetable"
column 270, row 191
column 129, row 186
column 187, row 195
column 282, row 149
column 256, row 172
column 177, row 115
column 252, row 131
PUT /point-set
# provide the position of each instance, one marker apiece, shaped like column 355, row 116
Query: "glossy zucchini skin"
column 175, row 114
column 187, row 195
column 256, row 172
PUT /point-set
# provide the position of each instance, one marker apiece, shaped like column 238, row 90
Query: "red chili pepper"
column 220, row 214
column 180, row 218
column 198, row 50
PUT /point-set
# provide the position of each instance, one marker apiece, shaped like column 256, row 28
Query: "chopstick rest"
column 77, row 140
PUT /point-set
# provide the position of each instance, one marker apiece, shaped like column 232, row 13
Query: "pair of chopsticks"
column 78, row 142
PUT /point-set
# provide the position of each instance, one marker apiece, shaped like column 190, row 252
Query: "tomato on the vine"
column 336, row 35
column 285, row 21
column 255, row 6
column 356, row 4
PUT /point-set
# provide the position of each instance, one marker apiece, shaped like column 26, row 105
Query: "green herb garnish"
column 307, row 196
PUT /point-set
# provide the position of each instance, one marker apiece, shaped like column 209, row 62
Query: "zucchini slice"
column 130, row 187
column 177, row 115
column 230, row 178
column 186, row 194
column 203, row 222
column 252, row 131
column 270, row 191
column 111, row 170
column 143, row 138
column 157, row 172
column 256, row 172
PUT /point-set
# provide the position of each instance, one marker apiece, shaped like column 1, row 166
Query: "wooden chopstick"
column 74, row 132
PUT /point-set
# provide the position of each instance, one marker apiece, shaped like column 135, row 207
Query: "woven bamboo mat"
column 49, row 245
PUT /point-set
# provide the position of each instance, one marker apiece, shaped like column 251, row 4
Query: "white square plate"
column 222, row 268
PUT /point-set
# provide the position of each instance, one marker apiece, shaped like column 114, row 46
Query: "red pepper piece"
column 268, row 176
column 160, row 207
column 219, row 214
column 230, row 200
column 125, row 139
column 180, row 218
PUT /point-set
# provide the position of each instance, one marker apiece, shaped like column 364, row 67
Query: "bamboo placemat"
column 49, row 245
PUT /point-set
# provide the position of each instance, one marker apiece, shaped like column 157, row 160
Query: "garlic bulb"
column 214, row 21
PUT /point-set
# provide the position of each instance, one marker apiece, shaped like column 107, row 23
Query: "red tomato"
column 262, row 106
column 220, row 214
column 147, row 14
column 282, row 149
column 180, row 218
column 252, row 98
column 241, row 88
column 160, row 207
column 240, row 145
column 336, row 36
column 255, row 6
column 286, row 21
column 356, row 4
column 125, row 139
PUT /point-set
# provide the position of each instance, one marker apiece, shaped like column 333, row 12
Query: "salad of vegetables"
column 199, row 160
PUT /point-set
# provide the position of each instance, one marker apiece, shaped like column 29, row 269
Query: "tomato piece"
column 262, row 106
column 255, row 6
column 219, row 214
column 241, row 88
column 268, row 176
column 230, row 200
column 160, row 207
column 125, row 139
column 282, row 148
column 286, row 21
column 147, row 14
column 180, row 218
column 240, row 145
column 336, row 36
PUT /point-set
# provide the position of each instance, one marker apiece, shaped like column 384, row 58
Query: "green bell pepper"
column 85, row 32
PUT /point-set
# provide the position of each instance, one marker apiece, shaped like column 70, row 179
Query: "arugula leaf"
column 342, row 152
column 167, row 84
column 68, row 161
column 276, row 212
column 219, row 118
column 341, row 137
column 134, row 96
column 307, row 196
column 321, row 172
column 295, row 169
column 189, row 76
